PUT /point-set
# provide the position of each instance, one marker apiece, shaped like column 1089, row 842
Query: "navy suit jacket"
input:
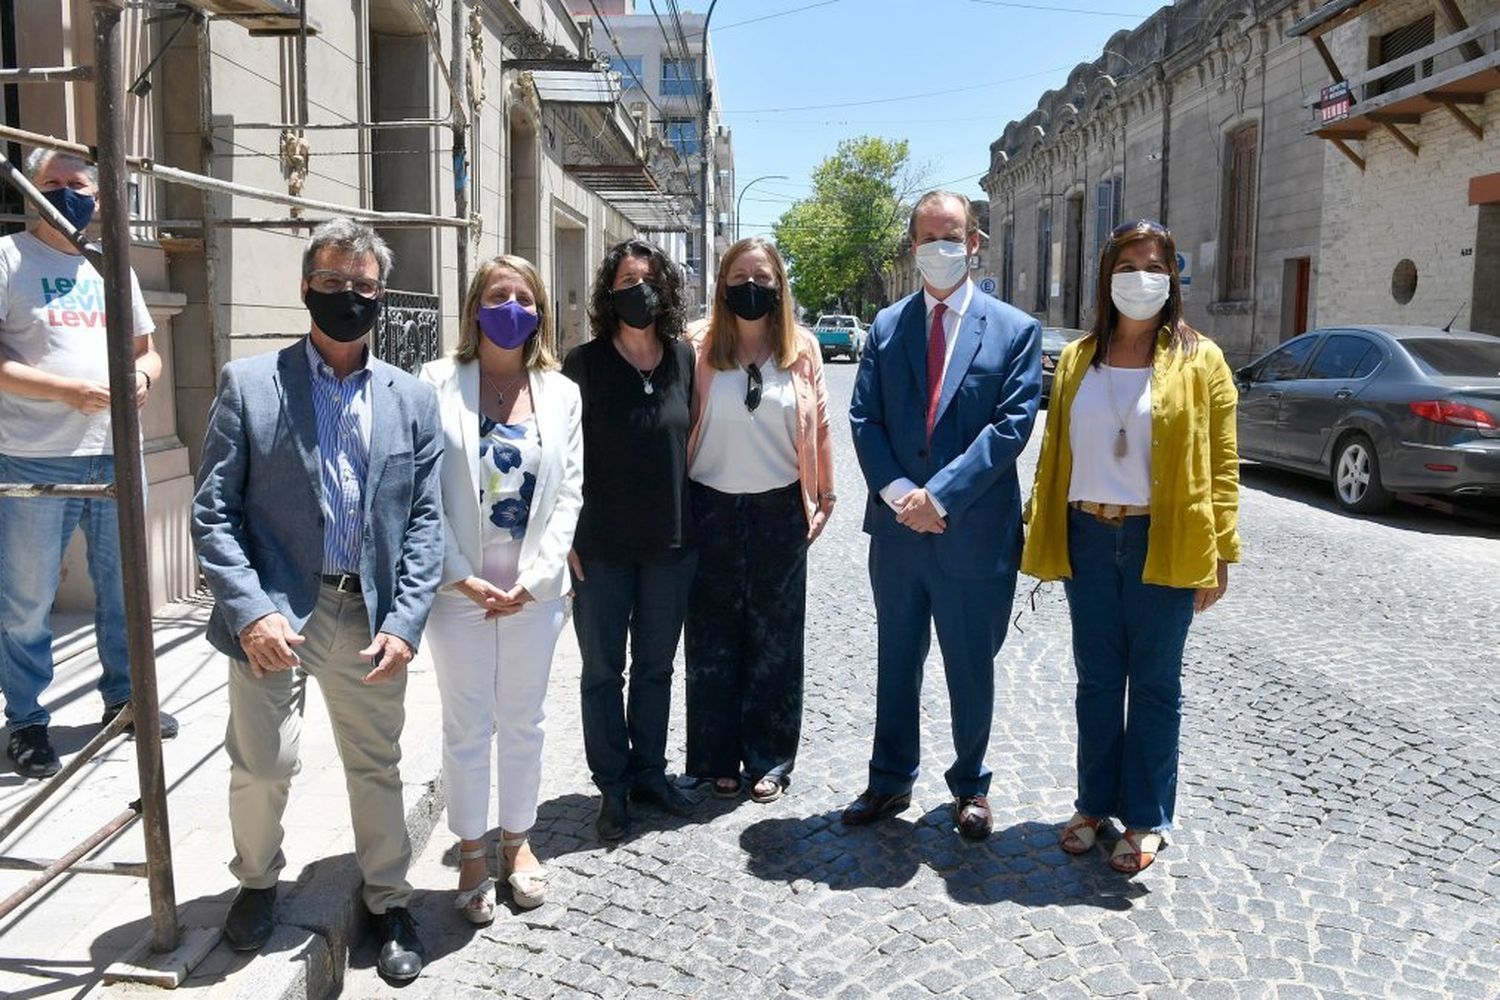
column 257, row 514
column 985, row 414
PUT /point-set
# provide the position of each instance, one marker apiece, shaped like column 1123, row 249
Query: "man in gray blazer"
column 318, row 525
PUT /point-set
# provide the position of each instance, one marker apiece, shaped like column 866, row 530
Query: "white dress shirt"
column 958, row 302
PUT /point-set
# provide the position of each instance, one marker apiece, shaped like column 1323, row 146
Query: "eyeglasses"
column 1133, row 225
column 753, row 386
column 333, row 282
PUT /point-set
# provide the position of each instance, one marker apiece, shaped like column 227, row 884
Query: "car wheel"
column 1356, row 477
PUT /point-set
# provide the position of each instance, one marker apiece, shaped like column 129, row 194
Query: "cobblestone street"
column 1337, row 809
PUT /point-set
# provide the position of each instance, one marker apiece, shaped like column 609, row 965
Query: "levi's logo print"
column 74, row 302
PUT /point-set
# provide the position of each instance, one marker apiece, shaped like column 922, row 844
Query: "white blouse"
column 1106, row 396
column 745, row 451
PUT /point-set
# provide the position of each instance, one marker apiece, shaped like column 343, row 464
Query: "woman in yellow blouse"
column 1135, row 509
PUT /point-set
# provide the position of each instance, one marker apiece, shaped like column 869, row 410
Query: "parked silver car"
column 1378, row 410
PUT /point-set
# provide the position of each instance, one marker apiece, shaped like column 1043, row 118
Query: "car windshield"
column 1053, row 339
column 1464, row 358
column 835, row 321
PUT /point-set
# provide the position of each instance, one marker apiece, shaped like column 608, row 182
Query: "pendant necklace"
column 499, row 392
column 1122, row 446
column 647, row 386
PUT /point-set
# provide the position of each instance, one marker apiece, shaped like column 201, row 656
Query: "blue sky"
column 781, row 61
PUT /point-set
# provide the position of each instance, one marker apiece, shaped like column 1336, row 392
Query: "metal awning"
column 574, row 86
column 632, row 189
column 1329, row 16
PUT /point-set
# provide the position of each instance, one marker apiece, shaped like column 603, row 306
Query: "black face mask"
column 750, row 301
column 344, row 316
column 638, row 305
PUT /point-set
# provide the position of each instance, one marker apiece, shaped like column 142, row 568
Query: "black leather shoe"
column 614, row 815
column 248, row 923
column 972, row 813
column 168, row 723
column 663, row 794
column 30, row 749
column 872, row 806
column 401, row 951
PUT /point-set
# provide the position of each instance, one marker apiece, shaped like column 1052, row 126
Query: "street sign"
column 988, row 285
column 1335, row 103
column 1185, row 272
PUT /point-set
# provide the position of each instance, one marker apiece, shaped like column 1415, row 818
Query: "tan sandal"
column 1135, row 851
column 1081, row 833
column 527, row 888
column 476, row 904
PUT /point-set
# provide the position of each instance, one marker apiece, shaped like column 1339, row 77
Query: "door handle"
column 1343, row 394
column 1273, row 395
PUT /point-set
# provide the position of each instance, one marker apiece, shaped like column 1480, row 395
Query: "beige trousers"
column 265, row 729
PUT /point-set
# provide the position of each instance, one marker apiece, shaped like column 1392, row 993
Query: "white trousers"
column 492, row 676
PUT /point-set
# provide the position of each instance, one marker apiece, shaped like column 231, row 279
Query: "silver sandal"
column 528, row 888
column 476, row 904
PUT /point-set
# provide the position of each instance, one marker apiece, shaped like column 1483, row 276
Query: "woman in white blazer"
column 512, row 479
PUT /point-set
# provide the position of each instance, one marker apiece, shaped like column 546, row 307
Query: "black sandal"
column 724, row 790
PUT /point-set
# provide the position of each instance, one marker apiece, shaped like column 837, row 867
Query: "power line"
column 615, row 44
column 784, row 13
column 1057, row 10
column 904, row 97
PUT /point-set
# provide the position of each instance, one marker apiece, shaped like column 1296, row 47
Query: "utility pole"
column 703, row 153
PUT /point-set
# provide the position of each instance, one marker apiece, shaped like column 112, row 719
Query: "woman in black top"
column 632, row 559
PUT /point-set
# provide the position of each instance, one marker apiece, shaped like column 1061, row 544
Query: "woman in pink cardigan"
column 761, row 469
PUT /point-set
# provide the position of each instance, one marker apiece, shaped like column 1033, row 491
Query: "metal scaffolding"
column 112, row 260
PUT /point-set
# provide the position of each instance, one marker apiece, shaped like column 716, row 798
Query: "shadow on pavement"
column 565, row 825
column 1476, row 517
column 1020, row 864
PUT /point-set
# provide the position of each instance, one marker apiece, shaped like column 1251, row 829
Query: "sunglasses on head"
column 753, row 385
column 1139, row 225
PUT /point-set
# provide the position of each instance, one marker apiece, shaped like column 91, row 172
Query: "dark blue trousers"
column 1128, row 638
column 913, row 594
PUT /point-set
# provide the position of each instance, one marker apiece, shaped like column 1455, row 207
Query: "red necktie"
column 937, row 349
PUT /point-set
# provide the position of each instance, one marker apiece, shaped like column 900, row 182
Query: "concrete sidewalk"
column 60, row 942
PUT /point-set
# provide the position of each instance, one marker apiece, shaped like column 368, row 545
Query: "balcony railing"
column 1456, row 70
column 407, row 334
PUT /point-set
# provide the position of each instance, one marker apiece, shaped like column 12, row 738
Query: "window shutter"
column 1240, row 216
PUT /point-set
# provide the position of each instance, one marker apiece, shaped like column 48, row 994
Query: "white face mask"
column 1139, row 294
column 943, row 264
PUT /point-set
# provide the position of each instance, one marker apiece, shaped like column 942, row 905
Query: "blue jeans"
column 33, row 536
column 1128, row 638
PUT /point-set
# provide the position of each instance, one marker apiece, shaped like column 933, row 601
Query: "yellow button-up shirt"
column 1195, row 479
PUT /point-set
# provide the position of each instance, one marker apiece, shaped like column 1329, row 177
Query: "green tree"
column 840, row 240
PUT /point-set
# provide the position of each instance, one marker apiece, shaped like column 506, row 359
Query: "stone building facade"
column 1411, row 213
column 1193, row 118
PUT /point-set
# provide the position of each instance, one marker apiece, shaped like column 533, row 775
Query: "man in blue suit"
column 319, row 530
column 944, row 402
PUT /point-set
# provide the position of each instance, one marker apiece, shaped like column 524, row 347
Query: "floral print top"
column 508, row 458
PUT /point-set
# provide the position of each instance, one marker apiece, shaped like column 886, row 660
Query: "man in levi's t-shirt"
column 55, row 428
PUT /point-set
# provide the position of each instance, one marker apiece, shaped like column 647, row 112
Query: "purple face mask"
column 507, row 325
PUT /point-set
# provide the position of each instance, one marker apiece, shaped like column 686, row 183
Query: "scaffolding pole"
column 109, row 93
column 173, row 175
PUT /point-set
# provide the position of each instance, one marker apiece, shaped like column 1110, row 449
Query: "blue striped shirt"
column 342, row 408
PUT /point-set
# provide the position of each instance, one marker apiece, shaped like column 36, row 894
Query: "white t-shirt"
column 52, row 318
column 1105, row 397
column 740, row 451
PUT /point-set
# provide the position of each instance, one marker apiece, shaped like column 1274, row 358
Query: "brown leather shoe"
column 872, row 806
column 973, row 814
